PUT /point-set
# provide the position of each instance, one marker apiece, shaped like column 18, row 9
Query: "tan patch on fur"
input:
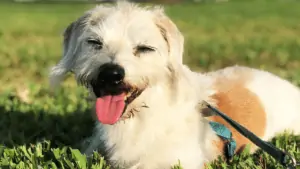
column 241, row 105
column 170, row 33
column 219, row 145
column 163, row 32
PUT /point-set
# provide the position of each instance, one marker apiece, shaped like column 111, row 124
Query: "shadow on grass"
column 46, row 134
column 19, row 128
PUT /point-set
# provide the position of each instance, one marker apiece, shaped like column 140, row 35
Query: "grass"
column 40, row 129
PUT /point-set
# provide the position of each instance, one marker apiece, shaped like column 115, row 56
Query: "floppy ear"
column 171, row 34
column 71, row 42
column 58, row 71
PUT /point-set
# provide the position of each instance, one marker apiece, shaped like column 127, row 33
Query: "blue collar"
column 226, row 135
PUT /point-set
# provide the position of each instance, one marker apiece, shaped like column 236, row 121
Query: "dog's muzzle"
column 113, row 94
column 110, row 80
column 111, row 74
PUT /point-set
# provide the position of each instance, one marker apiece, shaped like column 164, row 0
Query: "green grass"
column 38, row 128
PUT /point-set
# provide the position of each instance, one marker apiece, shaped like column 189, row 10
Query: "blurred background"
column 263, row 34
column 218, row 33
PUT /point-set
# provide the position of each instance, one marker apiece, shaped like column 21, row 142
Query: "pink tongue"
column 110, row 108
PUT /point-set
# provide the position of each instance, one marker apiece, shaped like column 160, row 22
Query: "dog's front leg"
column 91, row 144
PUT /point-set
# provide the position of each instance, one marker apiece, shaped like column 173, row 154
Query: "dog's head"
column 119, row 51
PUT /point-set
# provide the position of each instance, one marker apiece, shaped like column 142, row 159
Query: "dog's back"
column 262, row 102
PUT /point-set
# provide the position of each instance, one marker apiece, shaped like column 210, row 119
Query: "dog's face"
column 117, row 53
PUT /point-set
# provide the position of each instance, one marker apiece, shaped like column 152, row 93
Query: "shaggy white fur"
column 172, row 128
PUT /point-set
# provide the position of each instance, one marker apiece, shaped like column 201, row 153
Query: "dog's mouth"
column 112, row 101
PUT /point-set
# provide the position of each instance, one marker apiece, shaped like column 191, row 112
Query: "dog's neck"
column 168, row 108
column 165, row 100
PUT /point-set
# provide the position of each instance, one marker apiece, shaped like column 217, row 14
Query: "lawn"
column 38, row 128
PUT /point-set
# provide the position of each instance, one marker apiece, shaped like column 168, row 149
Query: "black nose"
column 111, row 74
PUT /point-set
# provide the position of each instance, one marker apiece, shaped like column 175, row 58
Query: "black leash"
column 284, row 158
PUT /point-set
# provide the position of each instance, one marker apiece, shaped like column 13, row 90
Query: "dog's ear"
column 170, row 33
column 71, row 41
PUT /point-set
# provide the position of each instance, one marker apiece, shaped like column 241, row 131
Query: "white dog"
column 148, row 104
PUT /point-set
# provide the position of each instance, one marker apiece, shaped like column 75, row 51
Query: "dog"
column 148, row 103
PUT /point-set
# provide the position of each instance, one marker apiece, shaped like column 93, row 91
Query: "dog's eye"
column 144, row 49
column 97, row 44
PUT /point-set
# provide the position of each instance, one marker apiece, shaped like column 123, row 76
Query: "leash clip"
column 289, row 161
